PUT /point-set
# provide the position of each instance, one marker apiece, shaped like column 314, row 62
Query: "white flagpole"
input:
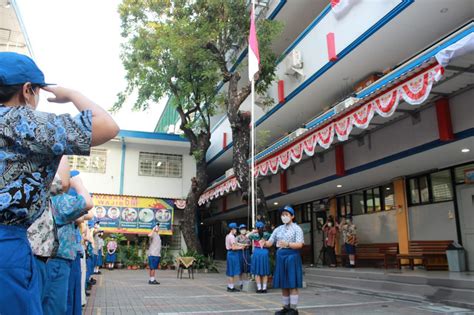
column 252, row 135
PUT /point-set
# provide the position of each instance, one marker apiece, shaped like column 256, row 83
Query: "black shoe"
column 292, row 311
column 259, row 291
column 264, row 291
column 153, row 282
column 92, row 281
column 283, row 311
column 232, row 290
column 88, row 293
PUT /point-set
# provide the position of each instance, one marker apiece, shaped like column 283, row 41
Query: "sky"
column 76, row 43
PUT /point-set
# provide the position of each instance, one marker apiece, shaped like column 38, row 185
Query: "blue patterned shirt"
column 31, row 146
column 66, row 209
column 288, row 233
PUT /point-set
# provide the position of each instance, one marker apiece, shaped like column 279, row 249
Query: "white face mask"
column 243, row 231
column 285, row 219
column 329, row 224
column 36, row 95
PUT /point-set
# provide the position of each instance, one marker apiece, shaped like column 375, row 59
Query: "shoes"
column 292, row 311
column 153, row 282
column 98, row 273
column 92, row 281
column 259, row 291
column 283, row 311
column 263, row 291
column 232, row 290
column 88, row 293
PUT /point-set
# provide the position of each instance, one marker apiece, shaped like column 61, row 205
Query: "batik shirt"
column 349, row 234
column 291, row 233
column 67, row 209
column 31, row 146
column 243, row 240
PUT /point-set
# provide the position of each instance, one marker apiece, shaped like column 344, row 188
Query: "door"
column 465, row 195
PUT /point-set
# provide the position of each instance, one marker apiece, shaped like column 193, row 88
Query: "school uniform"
column 32, row 143
column 260, row 257
column 154, row 252
column 233, row 259
column 74, row 297
column 111, row 254
column 66, row 209
column 288, row 272
column 100, row 259
column 244, row 254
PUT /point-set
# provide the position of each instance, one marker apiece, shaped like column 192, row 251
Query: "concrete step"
column 432, row 287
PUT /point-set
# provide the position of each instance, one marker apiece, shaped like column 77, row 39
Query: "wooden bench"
column 383, row 252
column 431, row 254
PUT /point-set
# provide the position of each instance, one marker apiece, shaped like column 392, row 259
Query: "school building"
column 372, row 119
column 13, row 36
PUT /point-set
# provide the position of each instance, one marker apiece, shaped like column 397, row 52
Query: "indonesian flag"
column 254, row 56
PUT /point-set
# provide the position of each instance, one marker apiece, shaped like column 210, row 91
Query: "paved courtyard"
column 127, row 292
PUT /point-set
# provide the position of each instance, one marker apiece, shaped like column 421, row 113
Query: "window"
column 342, row 203
column 388, row 197
column 358, row 203
column 96, row 162
column 442, row 188
column 459, row 172
column 160, row 165
column 429, row 188
column 176, row 238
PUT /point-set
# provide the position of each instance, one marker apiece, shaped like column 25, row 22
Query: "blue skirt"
column 111, row 258
column 260, row 262
column 288, row 270
column 100, row 261
column 233, row 263
column 245, row 260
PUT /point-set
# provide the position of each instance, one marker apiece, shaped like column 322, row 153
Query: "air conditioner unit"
column 294, row 63
column 298, row 132
column 348, row 102
column 229, row 173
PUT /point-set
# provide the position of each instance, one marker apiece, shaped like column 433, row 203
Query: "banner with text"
column 133, row 215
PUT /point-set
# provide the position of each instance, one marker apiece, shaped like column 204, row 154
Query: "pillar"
column 402, row 215
column 283, row 183
column 333, row 212
column 443, row 115
column 340, row 167
column 331, row 45
column 281, row 91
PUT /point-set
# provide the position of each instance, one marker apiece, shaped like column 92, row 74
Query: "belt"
column 43, row 259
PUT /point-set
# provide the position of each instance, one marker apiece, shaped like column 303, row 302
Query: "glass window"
column 358, row 204
column 459, row 172
column 160, row 165
column 441, row 186
column 414, row 191
column 341, row 206
column 370, row 200
column 388, row 197
column 96, row 162
column 377, row 200
column 424, row 190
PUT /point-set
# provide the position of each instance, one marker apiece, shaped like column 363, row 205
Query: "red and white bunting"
column 413, row 91
column 180, row 203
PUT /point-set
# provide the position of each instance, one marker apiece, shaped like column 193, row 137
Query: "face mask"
column 329, row 224
column 243, row 231
column 285, row 219
column 36, row 99
column 348, row 221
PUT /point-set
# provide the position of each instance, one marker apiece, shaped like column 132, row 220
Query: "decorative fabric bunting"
column 414, row 91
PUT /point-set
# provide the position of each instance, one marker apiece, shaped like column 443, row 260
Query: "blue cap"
column 72, row 192
column 242, row 226
column 259, row 225
column 289, row 209
column 74, row 173
column 232, row 225
column 19, row 69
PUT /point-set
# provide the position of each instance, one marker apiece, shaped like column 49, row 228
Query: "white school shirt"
column 290, row 233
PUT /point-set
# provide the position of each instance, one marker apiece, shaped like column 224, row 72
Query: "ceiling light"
column 388, row 188
column 443, row 10
column 339, row 186
column 465, row 150
column 275, row 203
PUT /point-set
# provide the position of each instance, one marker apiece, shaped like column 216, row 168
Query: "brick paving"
column 128, row 292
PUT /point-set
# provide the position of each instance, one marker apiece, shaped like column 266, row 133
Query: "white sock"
column 285, row 300
column 293, row 300
column 352, row 261
column 259, row 286
column 264, row 286
column 231, row 286
column 152, row 278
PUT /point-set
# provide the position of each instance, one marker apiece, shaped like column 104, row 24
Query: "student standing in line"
column 244, row 254
column 66, row 210
column 31, row 146
column 96, row 249
column 233, row 261
column 349, row 235
column 111, row 253
column 288, row 274
column 260, row 258
column 154, row 253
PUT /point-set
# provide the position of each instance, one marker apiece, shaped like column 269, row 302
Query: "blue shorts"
column 350, row 249
column 19, row 280
column 153, row 262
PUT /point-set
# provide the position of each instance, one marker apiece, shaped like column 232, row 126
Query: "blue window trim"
column 122, row 166
column 151, row 135
column 383, row 21
column 380, row 162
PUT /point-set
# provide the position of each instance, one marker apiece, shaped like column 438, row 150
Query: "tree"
column 229, row 25
column 165, row 54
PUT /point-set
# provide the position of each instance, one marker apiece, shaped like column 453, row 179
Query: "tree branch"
column 220, row 59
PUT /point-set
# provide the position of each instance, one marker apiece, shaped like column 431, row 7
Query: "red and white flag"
column 254, row 56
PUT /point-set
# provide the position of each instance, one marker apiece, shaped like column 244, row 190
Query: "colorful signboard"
column 133, row 215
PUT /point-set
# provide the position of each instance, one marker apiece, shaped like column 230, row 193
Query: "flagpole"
column 252, row 130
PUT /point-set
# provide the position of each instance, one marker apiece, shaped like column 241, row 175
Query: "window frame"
column 429, row 182
column 73, row 161
column 156, row 157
